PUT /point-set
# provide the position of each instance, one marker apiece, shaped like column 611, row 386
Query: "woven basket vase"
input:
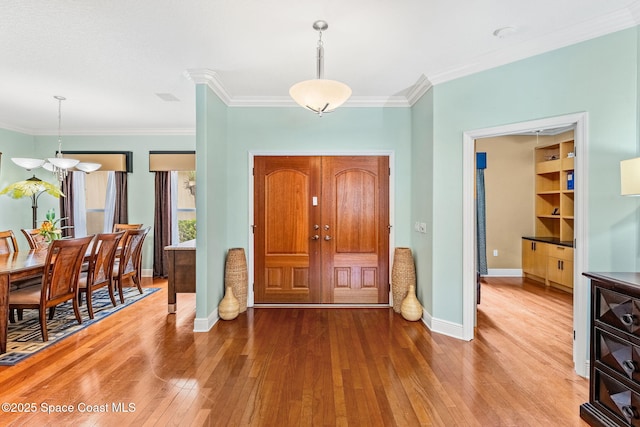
column 403, row 275
column 235, row 276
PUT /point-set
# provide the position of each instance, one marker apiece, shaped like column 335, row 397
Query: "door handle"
column 315, row 237
column 327, row 238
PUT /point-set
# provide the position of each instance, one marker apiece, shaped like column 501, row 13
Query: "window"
column 96, row 184
column 183, row 209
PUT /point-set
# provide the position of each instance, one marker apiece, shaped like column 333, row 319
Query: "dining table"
column 16, row 266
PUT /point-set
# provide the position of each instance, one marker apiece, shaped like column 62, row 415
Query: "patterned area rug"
column 24, row 338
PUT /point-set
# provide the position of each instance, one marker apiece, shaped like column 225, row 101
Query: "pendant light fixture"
column 320, row 95
column 58, row 165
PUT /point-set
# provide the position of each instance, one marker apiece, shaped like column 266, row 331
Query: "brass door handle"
column 315, row 237
column 327, row 238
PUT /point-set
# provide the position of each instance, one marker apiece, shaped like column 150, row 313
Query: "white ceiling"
column 111, row 58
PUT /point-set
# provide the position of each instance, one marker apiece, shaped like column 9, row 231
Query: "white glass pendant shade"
column 27, row 163
column 320, row 95
column 62, row 163
column 48, row 166
column 88, row 167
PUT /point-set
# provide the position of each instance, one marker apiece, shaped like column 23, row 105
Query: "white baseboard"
column 205, row 324
column 504, row 272
column 443, row 327
column 147, row 272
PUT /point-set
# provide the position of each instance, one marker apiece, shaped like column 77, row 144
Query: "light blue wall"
column 422, row 207
column 599, row 77
column 212, row 198
column 16, row 214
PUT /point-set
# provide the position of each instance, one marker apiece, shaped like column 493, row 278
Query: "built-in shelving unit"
column 554, row 190
column 548, row 256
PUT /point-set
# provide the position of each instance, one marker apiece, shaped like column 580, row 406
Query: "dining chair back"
column 8, row 242
column 100, row 268
column 129, row 264
column 124, row 227
column 59, row 281
column 34, row 238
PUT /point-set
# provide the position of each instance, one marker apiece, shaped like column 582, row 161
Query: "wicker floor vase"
column 235, row 276
column 403, row 275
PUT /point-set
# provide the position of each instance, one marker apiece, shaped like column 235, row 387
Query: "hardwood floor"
column 302, row 367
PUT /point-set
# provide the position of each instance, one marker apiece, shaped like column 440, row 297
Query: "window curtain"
column 481, row 222
column 66, row 206
column 175, row 234
column 110, row 203
column 121, row 213
column 79, row 204
column 161, row 223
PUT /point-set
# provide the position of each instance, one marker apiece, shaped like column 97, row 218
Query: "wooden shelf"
column 554, row 211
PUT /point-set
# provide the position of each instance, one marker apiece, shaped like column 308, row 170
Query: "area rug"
column 24, row 338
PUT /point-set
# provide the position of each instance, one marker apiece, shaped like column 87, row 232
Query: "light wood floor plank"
column 312, row 367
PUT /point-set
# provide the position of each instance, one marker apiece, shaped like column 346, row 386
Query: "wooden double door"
column 321, row 229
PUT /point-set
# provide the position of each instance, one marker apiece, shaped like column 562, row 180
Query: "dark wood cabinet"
column 181, row 260
column 614, row 388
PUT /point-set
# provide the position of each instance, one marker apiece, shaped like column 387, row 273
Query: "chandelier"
column 58, row 165
column 320, row 95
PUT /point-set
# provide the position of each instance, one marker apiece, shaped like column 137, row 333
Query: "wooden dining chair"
column 8, row 242
column 124, row 227
column 99, row 273
column 59, row 281
column 129, row 264
column 34, row 238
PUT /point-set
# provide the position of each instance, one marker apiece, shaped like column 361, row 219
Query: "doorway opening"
column 581, row 289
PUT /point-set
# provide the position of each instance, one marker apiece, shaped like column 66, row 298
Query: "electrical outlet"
column 495, row 252
column 423, row 227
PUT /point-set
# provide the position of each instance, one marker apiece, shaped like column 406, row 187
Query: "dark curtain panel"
column 161, row 223
column 66, row 206
column 121, row 212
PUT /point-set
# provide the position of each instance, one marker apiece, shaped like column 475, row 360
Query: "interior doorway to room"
column 321, row 229
column 581, row 287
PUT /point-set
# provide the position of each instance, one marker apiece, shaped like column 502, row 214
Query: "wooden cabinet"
column 614, row 382
column 534, row 259
column 560, row 266
column 546, row 261
column 181, row 262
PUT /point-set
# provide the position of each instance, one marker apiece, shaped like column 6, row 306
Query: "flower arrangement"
column 49, row 228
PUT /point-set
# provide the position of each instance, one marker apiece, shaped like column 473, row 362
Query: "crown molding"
column 616, row 21
column 211, row 79
column 115, row 132
column 12, row 128
column 418, row 89
column 353, row 102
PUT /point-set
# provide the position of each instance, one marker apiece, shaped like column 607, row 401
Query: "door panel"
column 356, row 212
column 334, row 250
column 283, row 264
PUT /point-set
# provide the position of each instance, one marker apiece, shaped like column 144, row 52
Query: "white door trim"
column 580, row 283
column 392, row 174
